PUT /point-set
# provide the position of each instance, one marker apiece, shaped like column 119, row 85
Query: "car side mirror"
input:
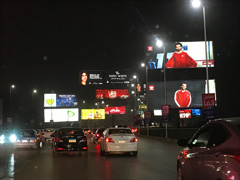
column 182, row 142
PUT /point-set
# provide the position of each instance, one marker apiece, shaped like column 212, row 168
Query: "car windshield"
column 26, row 133
column 120, row 131
column 69, row 132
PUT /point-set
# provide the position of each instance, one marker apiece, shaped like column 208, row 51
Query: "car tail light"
column 237, row 158
column 185, row 153
column 109, row 140
column 59, row 140
column 59, row 149
column 84, row 138
column 97, row 135
column 84, row 148
column 35, row 140
column 134, row 140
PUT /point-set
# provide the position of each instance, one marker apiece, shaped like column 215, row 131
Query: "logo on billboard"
column 119, row 76
column 50, row 101
column 149, row 48
column 112, row 93
column 115, row 110
column 185, row 114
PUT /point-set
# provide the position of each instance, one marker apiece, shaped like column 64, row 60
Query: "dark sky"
column 45, row 43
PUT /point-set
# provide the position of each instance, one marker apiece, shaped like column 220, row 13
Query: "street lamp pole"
column 196, row 4
column 10, row 110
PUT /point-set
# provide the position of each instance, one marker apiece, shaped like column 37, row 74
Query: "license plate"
column 72, row 140
column 25, row 141
column 121, row 141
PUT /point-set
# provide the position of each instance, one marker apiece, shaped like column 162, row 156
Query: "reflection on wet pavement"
column 7, row 166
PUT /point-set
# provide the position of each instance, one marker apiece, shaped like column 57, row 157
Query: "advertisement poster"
column 112, row 93
column 185, row 113
column 91, row 77
column 50, row 100
column 118, row 77
column 61, row 115
column 66, row 100
column 115, row 110
column 208, row 101
column 92, row 114
column 165, row 112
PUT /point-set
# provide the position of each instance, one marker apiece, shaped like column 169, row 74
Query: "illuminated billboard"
column 157, row 112
column 117, row 77
column 185, row 114
column 91, row 77
column 179, row 94
column 112, row 93
column 66, row 100
column 61, row 115
column 60, row 100
column 184, row 55
column 92, row 114
column 115, row 110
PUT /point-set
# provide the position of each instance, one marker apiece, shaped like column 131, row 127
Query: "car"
column 97, row 135
column 212, row 153
column 117, row 140
column 5, row 136
column 68, row 139
column 46, row 134
column 26, row 138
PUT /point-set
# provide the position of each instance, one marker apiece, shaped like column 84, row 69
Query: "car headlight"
column 2, row 137
column 13, row 138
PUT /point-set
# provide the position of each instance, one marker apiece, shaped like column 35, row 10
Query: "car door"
column 103, row 140
column 193, row 165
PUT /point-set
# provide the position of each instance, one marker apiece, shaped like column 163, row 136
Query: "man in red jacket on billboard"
column 180, row 59
column 183, row 97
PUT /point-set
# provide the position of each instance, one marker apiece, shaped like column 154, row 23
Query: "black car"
column 97, row 135
column 68, row 140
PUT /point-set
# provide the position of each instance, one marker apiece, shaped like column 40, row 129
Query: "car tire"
column 135, row 153
column 179, row 174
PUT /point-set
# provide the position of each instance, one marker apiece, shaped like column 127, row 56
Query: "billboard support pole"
column 165, row 85
column 205, row 39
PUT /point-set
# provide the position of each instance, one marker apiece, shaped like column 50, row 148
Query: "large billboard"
column 61, row 115
column 115, row 110
column 184, row 55
column 179, row 94
column 60, row 100
column 117, row 77
column 92, row 114
column 91, row 77
column 112, row 93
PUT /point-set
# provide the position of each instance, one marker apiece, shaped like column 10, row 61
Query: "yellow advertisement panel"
column 92, row 114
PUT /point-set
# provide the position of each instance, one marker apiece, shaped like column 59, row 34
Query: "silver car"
column 212, row 153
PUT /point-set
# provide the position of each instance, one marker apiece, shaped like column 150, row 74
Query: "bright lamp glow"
column 13, row 138
column 159, row 43
column 135, row 77
column 34, row 91
column 142, row 64
column 196, row 3
column 132, row 92
column 132, row 85
column 12, row 86
column 2, row 139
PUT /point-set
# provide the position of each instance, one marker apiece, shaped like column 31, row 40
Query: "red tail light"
column 109, row 140
column 97, row 135
column 84, row 148
column 84, row 138
column 185, row 153
column 134, row 140
column 59, row 140
column 59, row 149
column 237, row 158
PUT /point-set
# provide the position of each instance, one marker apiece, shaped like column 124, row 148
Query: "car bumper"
column 121, row 148
column 25, row 145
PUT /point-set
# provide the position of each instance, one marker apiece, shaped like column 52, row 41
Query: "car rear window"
column 120, row 131
column 68, row 132
column 26, row 133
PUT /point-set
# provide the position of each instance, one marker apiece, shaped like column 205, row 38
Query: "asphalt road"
column 156, row 160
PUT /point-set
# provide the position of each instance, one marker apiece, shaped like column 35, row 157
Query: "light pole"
column 145, row 65
column 33, row 113
column 11, row 87
column 196, row 4
column 137, row 93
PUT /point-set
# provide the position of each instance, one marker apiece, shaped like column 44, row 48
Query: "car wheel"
column 135, row 153
column 179, row 174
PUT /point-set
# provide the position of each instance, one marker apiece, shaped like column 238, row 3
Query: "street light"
column 196, row 4
column 11, row 87
column 33, row 114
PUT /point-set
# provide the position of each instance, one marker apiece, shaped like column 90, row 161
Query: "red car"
column 212, row 153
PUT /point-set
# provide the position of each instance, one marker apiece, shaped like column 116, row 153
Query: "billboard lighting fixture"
column 132, row 92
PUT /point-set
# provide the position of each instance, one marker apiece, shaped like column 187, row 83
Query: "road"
column 156, row 160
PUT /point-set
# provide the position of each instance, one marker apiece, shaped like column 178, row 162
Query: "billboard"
column 92, row 114
column 92, row 77
column 185, row 114
column 115, row 110
column 179, row 94
column 184, row 55
column 61, row 115
column 112, row 93
column 60, row 100
column 196, row 112
column 66, row 100
column 117, row 77
column 157, row 112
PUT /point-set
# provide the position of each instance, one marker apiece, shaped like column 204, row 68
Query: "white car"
column 116, row 140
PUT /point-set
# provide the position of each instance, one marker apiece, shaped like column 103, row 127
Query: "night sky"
column 45, row 44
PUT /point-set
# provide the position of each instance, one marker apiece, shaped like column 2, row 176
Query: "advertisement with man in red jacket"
column 182, row 96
